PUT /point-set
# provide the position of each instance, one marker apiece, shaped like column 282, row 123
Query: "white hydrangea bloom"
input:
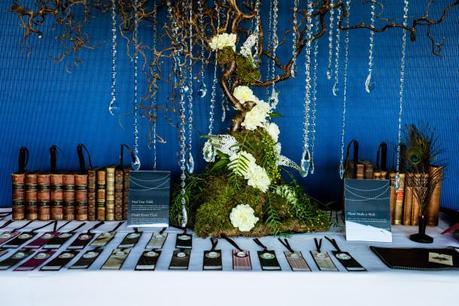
column 257, row 116
column 257, row 177
column 243, row 217
column 221, row 41
column 273, row 131
column 244, row 94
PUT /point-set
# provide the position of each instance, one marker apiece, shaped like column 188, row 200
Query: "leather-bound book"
column 409, row 198
column 110, row 194
column 360, row 171
column 56, row 196
column 126, row 193
column 18, row 196
column 119, row 186
column 433, row 207
column 369, row 171
column 383, row 175
column 376, row 175
column 43, row 196
column 81, row 197
column 101, row 184
column 393, row 197
column 31, row 197
column 92, row 197
column 69, row 196
column 400, row 197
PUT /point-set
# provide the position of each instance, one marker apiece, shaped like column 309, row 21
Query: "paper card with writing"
column 116, row 259
column 148, row 260
column 58, row 240
column 5, row 236
column 212, row 260
column 103, row 239
column 323, row 261
column 367, row 210
column 156, row 241
column 130, row 240
column 86, row 260
column 184, row 241
column 19, row 240
column 41, row 241
column 442, row 259
column 180, row 260
column 81, row 241
column 241, row 260
column 296, row 261
column 36, row 260
column 60, row 261
column 15, row 258
column 149, row 199
column 348, row 262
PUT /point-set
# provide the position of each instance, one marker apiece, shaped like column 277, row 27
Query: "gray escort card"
column 367, row 210
column 149, row 198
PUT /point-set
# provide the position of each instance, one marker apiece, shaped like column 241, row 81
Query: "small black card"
column 184, row 241
column 81, row 241
column 19, row 240
column 86, row 260
column 147, row 262
column 130, row 240
column 180, row 260
column 60, row 261
column 58, row 241
column 349, row 263
column 212, row 260
column 268, row 260
column 14, row 259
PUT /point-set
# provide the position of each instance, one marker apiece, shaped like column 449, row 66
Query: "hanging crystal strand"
column 314, row 97
column 406, row 6
column 270, row 29
column 190, row 161
column 306, row 156
column 346, row 63
column 213, row 93
column 113, row 108
column 202, row 91
column 257, row 30
column 369, row 85
column 294, row 36
column 273, row 100
column 153, row 112
column 330, row 42
column 337, row 53
column 135, row 165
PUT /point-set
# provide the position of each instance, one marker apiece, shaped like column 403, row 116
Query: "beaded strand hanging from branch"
column 369, row 80
column 189, row 87
column 154, row 92
column 135, row 165
column 113, row 108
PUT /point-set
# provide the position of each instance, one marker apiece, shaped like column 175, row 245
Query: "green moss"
column 246, row 72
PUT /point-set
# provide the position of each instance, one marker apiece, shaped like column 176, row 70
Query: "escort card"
column 149, row 198
column 367, row 210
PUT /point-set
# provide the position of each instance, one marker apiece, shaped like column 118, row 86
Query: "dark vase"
column 421, row 236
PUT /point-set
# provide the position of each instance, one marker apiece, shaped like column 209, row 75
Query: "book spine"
column 69, row 196
column 110, row 194
column 31, row 198
column 126, row 193
column 408, row 200
column 44, row 197
column 400, row 196
column 393, row 197
column 383, row 175
column 92, row 199
column 101, row 183
column 119, row 186
column 56, row 196
column 18, row 196
column 81, row 197
column 369, row 171
column 433, row 208
column 360, row 171
column 376, row 175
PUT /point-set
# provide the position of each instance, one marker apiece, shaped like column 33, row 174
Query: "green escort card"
column 149, row 198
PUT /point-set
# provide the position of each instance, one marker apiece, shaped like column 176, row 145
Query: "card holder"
column 268, row 260
column 184, row 241
column 241, row 260
column 130, row 240
column 348, row 262
column 36, row 260
column 148, row 260
column 58, row 240
column 86, row 260
column 81, row 241
column 180, row 260
column 60, row 261
column 323, row 261
column 6, row 236
column 103, row 239
column 296, row 261
column 17, row 257
column 116, row 259
column 156, row 241
column 40, row 241
column 212, row 260
column 19, row 240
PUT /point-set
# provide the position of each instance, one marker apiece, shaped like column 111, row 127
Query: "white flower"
column 273, row 130
column 209, row 152
column 246, row 49
column 257, row 177
column 243, row 217
column 256, row 117
column 249, row 157
column 220, row 41
column 244, row 94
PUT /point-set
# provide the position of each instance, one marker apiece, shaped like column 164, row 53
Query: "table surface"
column 379, row 285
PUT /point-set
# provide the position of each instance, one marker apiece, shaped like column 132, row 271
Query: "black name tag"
column 130, row 240
column 268, row 260
column 60, row 261
column 58, row 241
column 180, row 260
column 15, row 258
column 184, row 241
column 348, row 262
column 212, row 260
column 19, row 240
column 86, row 260
column 148, row 260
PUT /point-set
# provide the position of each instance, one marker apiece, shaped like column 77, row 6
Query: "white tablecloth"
column 378, row 286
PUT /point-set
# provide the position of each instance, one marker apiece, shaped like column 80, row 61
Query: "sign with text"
column 149, row 198
column 367, row 210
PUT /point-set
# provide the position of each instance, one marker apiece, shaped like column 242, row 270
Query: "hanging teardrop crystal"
column 335, row 89
column 190, row 163
column 135, row 164
column 305, row 163
column 341, row 170
column 202, row 91
column 369, row 85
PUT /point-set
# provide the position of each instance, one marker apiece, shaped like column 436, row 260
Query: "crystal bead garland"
column 223, row 100
column 337, row 53
column 190, row 160
column 306, row 156
column 257, row 30
column 213, row 93
column 274, row 98
column 113, row 108
column 346, row 64
column 314, row 97
column 330, row 42
column 135, row 165
column 294, row 36
column 202, row 91
column 153, row 112
column 369, row 85
column 406, row 6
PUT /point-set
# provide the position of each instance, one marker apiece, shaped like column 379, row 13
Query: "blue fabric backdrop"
column 44, row 103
